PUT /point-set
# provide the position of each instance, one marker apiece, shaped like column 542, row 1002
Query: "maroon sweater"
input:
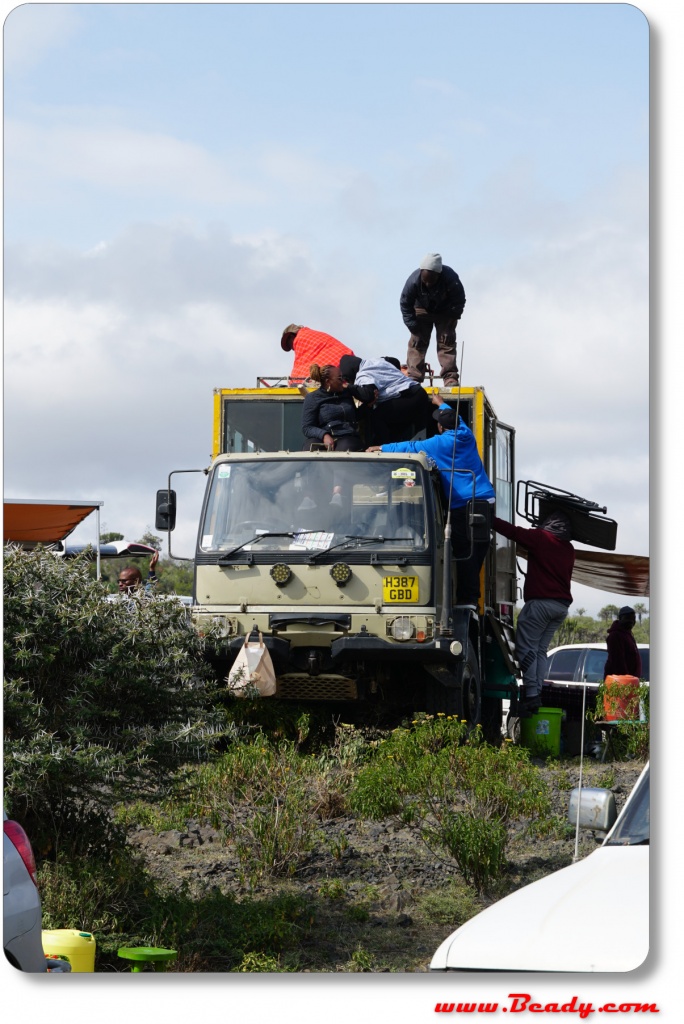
column 623, row 654
column 550, row 562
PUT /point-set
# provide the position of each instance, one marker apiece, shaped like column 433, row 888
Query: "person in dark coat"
column 550, row 561
column 394, row 406
column 623, row 654
column 433, row 296
column 329, row 413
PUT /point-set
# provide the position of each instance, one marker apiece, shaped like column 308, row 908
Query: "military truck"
column 342, row 562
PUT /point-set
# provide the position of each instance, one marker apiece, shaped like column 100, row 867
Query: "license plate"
column 400, row 589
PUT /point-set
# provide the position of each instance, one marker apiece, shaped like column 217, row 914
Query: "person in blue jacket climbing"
column 458, row 489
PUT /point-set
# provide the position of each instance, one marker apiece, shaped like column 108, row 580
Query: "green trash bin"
column 541, row 733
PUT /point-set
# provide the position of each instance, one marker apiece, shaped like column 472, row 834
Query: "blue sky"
column 181, row 181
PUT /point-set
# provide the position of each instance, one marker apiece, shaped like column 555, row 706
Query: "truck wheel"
column 464, row 701
column 471, row 692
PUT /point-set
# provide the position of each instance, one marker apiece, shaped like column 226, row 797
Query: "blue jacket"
column 440, row 449
column 446, row 297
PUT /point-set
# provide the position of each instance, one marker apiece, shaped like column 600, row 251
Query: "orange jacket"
column 315, row 347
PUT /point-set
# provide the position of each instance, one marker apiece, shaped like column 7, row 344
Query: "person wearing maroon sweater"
column 550, row 561
column 623, row 654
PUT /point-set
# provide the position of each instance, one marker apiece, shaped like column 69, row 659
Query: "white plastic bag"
column 252, row 668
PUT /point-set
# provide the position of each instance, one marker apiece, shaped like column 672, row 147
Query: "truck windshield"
column 633, row 827
column 311, row 505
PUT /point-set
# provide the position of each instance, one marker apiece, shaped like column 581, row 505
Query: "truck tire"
column 471, row 690
column 464, row 701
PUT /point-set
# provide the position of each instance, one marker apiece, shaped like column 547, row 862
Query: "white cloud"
column 120, row 158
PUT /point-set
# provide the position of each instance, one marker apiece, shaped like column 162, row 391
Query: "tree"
column 581, row 612
column 102, row 699
column 151, row 539
column 608, row 613
column 640, row 609
column 106, row 538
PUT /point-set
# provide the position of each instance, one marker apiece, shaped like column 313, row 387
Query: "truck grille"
column 301, row 686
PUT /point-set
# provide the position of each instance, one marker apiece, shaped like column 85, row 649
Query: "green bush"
column 476, row 844
column 459, row 791
column 102, row 699
column 633, row 736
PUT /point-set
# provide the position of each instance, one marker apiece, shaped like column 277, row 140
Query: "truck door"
column 502, row 475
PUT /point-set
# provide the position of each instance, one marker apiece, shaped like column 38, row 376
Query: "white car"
column 551, row 925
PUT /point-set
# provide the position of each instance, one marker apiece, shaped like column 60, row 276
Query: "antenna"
column 444, row 627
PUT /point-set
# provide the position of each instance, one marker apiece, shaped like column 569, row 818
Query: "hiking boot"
column 528, row 706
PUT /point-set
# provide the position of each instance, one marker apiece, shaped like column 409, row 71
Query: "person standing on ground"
column 433, row 296
column 311, row 347
column 623, row 654
column 550, row 561
column 457, row 487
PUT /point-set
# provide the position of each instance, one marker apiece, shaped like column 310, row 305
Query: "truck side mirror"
column 594, row 807
column 165, row 518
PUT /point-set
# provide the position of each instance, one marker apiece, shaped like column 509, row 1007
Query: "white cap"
column 433, row 261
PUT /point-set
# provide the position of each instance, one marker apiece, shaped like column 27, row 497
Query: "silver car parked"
column 22, row 919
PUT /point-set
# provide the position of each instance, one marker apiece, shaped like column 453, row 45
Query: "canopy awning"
column 43, row 522
column 606, row 570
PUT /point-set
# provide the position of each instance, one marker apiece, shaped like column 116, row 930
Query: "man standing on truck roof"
column 311, row 347
column 550, row 561
column 458, row 487
column 623, row 654
column 433, row 296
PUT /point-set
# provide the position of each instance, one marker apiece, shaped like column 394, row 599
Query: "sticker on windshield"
column 223, row 472
column 403, row 474
column 304, row 541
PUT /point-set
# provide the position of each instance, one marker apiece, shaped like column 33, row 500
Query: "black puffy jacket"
column 328, row 412
column 445, row 298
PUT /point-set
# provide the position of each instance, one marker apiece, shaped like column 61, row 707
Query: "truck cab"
column 338, row 561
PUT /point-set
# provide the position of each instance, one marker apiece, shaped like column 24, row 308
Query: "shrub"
column 476, row 844
column 633, row 736
column 101, row 699
column 458, row 790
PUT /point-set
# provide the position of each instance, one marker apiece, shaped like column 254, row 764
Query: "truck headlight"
column 280, row 574
column 341, row 573
column 403, row 628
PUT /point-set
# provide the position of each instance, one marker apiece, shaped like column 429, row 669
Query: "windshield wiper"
column 350, row 537
column 257, row 537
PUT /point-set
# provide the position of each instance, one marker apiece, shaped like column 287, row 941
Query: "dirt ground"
column 380, row 900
